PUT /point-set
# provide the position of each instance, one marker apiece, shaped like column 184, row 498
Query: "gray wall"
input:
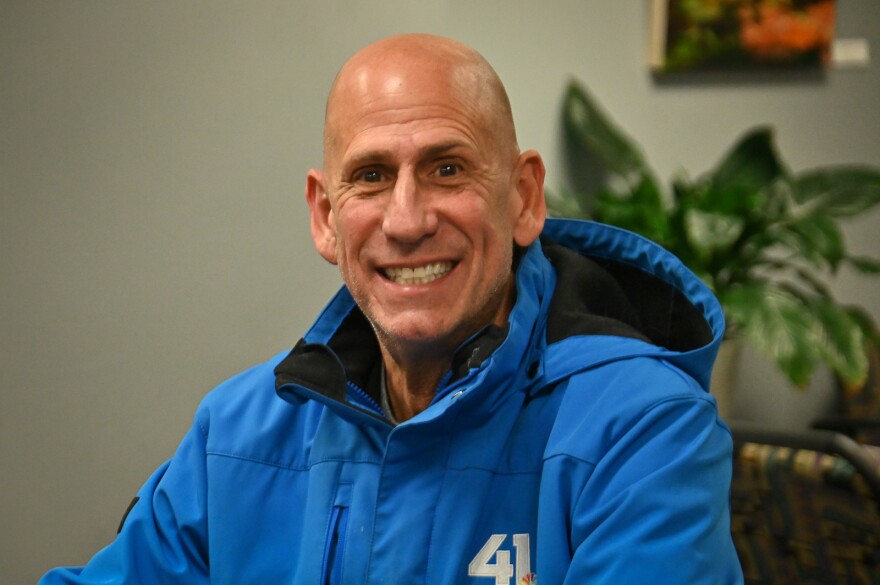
column 154, row 235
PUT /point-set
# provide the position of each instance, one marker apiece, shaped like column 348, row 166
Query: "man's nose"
column 408, row 216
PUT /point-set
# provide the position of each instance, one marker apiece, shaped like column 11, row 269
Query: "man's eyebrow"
column 380, row 156
column 365, row 158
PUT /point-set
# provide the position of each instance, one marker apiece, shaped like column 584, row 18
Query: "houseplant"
column 762, row 237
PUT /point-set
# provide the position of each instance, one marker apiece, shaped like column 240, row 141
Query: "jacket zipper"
column 331, row 573
column 365, row 399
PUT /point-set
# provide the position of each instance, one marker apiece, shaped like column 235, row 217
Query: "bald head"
column 420, row 66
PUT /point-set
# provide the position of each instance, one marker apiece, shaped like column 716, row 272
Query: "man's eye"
column 447, row 170
column 371, row 176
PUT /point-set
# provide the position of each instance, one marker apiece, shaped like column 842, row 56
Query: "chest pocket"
column 334, row 547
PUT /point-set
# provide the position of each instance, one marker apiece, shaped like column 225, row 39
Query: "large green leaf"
column 772, row 204
column 751, row 165
column 817, row 238
column 642, row 210
column 838, row 192
column 840, row 341
column 589, row 127
column 777, row 324
column 708, row 233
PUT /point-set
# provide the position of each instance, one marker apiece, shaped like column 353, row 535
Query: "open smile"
column 418, row 274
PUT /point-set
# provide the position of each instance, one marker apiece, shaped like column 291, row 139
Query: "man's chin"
column 417, row 333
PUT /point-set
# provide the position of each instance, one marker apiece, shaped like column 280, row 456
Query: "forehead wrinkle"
column 441, row 149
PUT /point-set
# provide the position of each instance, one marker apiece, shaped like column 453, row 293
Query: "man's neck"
column 412, row 387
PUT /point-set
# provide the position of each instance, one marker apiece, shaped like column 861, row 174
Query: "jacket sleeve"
column 164, row 537
column 648, row 500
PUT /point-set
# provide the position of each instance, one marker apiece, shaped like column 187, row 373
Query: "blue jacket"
column 577, row 445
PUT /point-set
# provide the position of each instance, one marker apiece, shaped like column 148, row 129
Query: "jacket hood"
column 612, row 282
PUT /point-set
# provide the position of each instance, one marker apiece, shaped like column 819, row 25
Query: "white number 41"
column 501, row 569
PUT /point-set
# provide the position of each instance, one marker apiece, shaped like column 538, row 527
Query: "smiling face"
column 424, row 192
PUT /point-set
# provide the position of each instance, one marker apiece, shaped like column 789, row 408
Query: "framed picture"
column 689, row 35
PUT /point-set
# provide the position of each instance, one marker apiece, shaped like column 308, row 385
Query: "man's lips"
column 418, row 274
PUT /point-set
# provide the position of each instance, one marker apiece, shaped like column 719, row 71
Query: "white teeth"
column 418, row 275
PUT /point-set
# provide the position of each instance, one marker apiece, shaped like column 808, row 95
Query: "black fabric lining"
column 474, row 352
column 601, row 297
column 587, row 300
column 356, row 344
column 127, row 512
column 668, row 317
column 314, row 366
column 351, row 355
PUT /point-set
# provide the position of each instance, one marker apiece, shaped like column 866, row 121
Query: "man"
column 476, row 405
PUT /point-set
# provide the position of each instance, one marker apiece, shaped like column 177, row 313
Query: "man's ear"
column 530, row 189
column 322, row 221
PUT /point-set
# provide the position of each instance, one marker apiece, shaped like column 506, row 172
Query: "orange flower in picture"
column 727, row 34
column 775, row 31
